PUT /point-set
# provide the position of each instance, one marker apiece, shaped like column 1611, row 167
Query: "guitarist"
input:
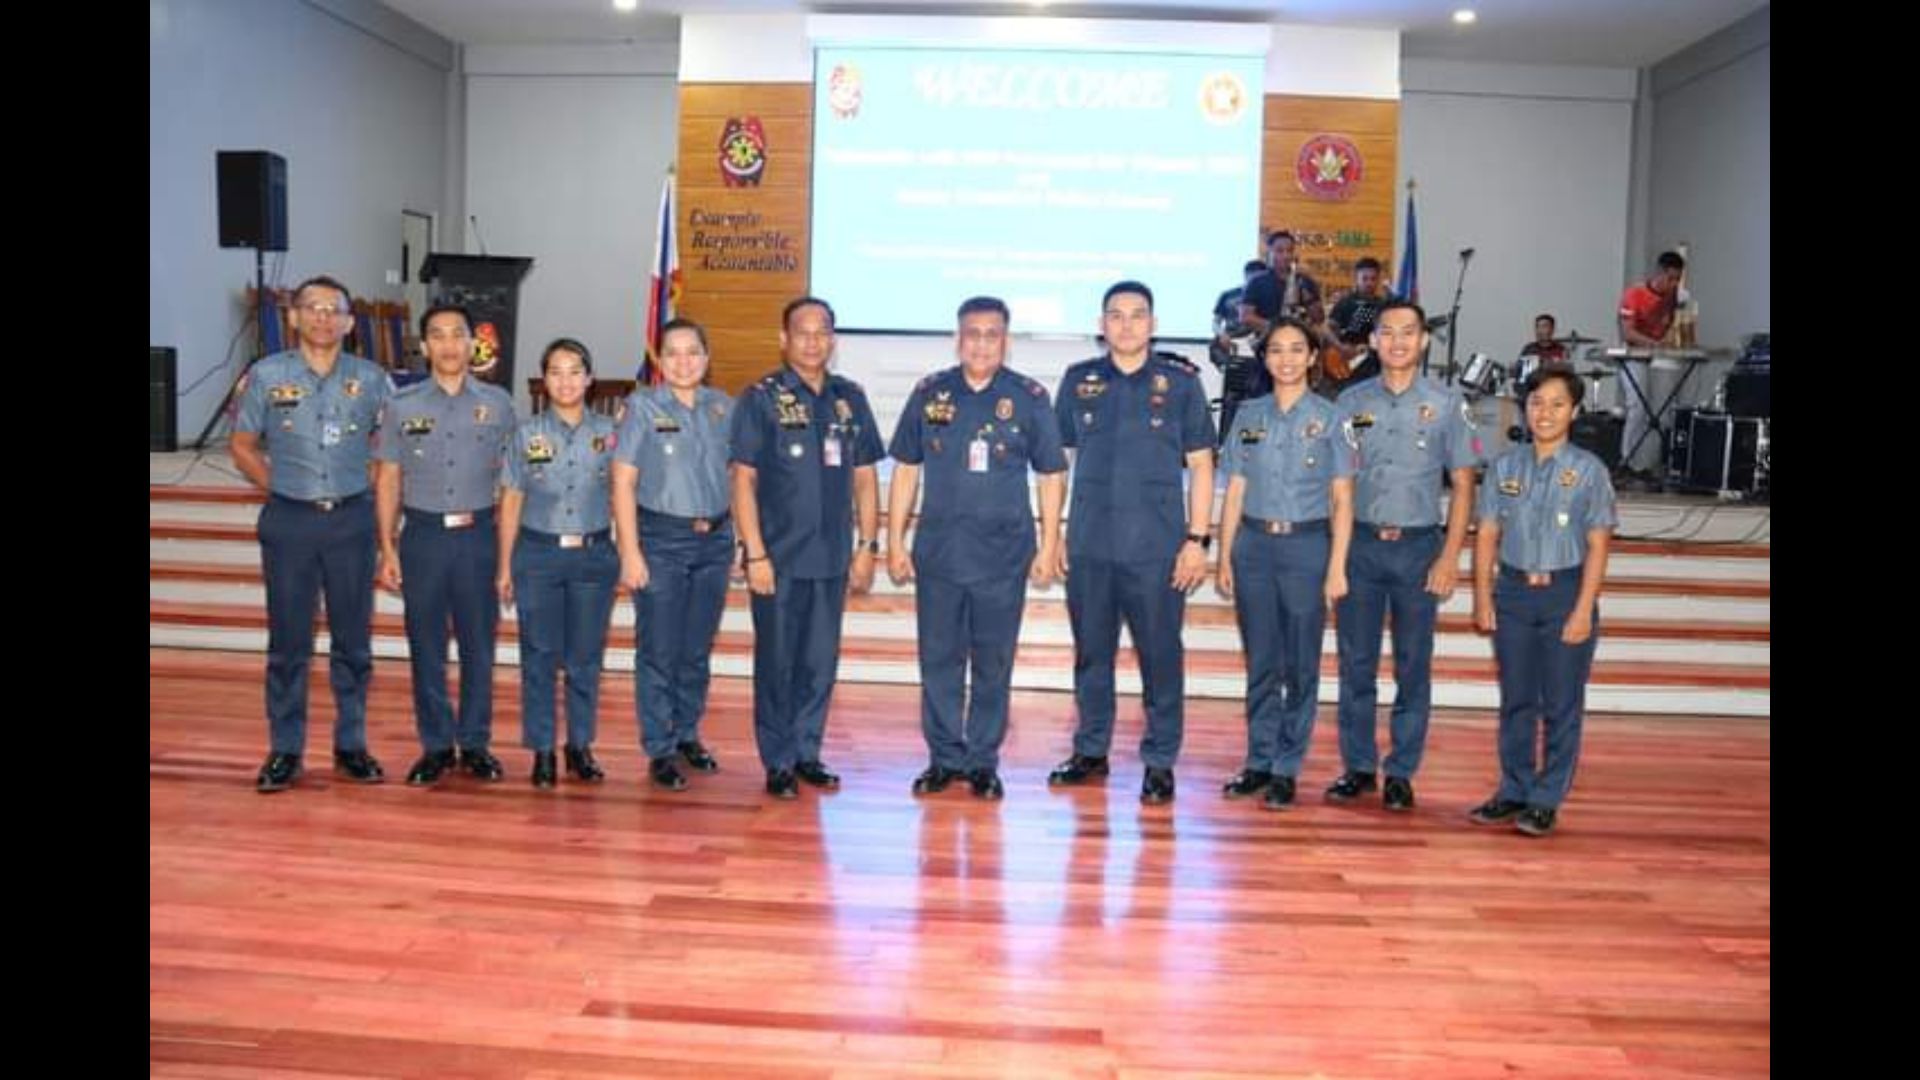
column 1349, row 326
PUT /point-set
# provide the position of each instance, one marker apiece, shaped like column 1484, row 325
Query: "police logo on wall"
column 1328, row 167
column 486, row 347
column 844, row 91
column 743, row 151
column 1223, row 98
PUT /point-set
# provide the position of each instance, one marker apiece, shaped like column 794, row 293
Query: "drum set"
column 1482, row 376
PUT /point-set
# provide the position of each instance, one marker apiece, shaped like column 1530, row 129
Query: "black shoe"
column 986, row 785
column 582, row 767
column 1078, row 769
column 781, row 785
column 934, row 780
column 482, row 765
column 698, row 757
column 1279, row 794
column 1247, row 782
column 546, row 772
column 1156, row 788
column 1495, row 810
column 816, row 773
column 358, row 765
column 278, row 773
column 428, row 770
column 664, row 772
column 1351, row 786
column 1399, row 794
column 1536, row 820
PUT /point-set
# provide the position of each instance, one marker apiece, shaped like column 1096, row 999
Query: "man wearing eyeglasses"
column 444, row 439
column 303, row 431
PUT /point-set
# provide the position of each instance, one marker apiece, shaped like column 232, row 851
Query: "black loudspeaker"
column 253, row 199
column 163, row 418
column 1750, row 392
column 1598, row 434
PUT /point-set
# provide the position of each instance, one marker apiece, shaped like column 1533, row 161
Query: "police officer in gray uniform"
column 1546, row 520
column 304, row 424
column 1411, row 432
column 804, row 446
column 557, row 563
column 1284, row 535
column 670, row 497
column 441, row 458
column 974, row 430
column 1135, row 544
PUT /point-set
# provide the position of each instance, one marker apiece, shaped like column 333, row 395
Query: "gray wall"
column 566, row 149
column 352, row 95
column 1712, row 115
column 1529, row 166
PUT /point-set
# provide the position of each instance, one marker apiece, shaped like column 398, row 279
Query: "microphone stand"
column 1453, row 316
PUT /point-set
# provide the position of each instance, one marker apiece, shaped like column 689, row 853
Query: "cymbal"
column 1576, row 339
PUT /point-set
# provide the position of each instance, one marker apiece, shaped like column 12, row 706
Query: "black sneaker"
column 1156, row 788
column 1279, row 794
column 698, row 757
column 1078, row 769
column 1495, row 811
column 781, row 784
column 1246, row 782
column 934, row 780
column 1399, row 794
column 278, row 773
column 1351, row 786
column 1536, row 820
column 665, row 773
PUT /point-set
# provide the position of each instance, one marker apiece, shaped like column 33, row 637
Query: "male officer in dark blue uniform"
column 303, row 429
column 974, row 430
column 447, row 436
column 804, row 449
column 1412, row 431
column 1135, row 545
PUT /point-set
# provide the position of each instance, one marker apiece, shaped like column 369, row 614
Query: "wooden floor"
column 495, row 931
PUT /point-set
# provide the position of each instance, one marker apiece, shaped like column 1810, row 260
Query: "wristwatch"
column 871, row 547
column 1202, row 539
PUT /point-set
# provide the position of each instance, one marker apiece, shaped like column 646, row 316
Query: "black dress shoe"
column 358, row 765
column 1156, row 788
column 1495, row 810
column 428, row 770
column 1536, row 820
column 1246, row 782
column 934, row 779
column 663, row 772
column 582, row 767
column 546, row 771
column 1351, row 786
column 698, row 757
column 817, row 774
column 278, row 773
column 1399, row 794
column 781, row 784
column 986, row 785
column 482, row 765
column 1279, row 794
column 1078, row 769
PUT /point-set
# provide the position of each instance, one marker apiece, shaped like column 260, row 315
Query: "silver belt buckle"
column 326, row 506
column 1539, row 581
column 1387, row 534
column 456, row 521
column 572, row 540
column 702, row 525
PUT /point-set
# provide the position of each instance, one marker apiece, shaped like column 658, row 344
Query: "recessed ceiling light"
column 1465, row 17
column 626, row 5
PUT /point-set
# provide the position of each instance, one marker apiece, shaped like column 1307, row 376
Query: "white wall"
column 1529, row 166
column 1711, row 174
column 352, row 95
column 566, row 150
